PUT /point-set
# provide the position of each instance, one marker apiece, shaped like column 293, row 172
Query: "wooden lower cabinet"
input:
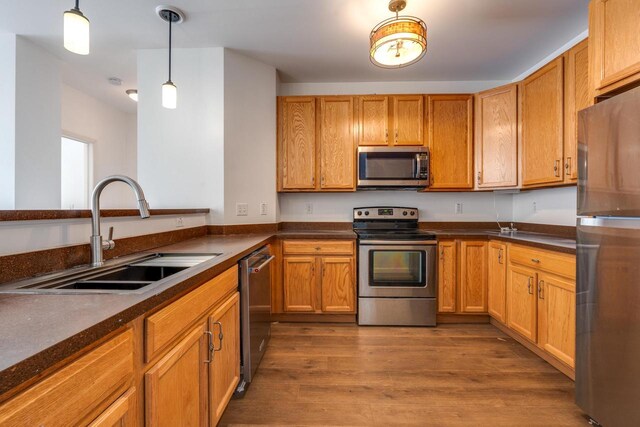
column 224, row 369
column 319, row 277
column 176, row 387
column 497, row 281
column 521, row 301
column 462, row 276
column 556, row 317
column 122, row 413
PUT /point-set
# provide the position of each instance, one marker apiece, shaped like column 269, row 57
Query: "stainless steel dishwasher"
column 255, row 313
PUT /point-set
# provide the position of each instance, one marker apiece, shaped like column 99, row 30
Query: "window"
column 75, row 174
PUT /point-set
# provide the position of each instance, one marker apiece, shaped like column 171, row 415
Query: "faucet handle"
column 109, row 243
column 110, row 233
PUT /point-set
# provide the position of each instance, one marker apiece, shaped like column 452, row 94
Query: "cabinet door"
column 176, row 388
column 297, row 148
column 450, row 119
column 224, row 369
column 373, row 120
column 408, row 120
column 473, row 276
column 299, row 283
column 497, row 281
column 542, row 125
column 497, row 137
column 338, row 284
column 122, row 413
column 521, row 300
column 615, row 39
column 337, row 144
column 576, row 95
column 447, row 276
column 557, row 317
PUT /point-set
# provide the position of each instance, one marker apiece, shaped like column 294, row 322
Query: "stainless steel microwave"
column 393, row 167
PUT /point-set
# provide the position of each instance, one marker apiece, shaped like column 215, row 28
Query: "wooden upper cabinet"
column 576, row 96
column 542, row 110
column 337, row 283
column 373, row 120
column 557, row 317
column 473, row 276
column 408, row 120
column 297, row 143
column 496, row 121
column 614, row 44
column 447, row 276
column 224, row 369
column 176, row 388
column 337, row 143
column 497, row 281
column 299, row 282
column 450, row 140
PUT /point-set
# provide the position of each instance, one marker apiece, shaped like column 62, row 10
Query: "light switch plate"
column 458, row 208
column 264, row 208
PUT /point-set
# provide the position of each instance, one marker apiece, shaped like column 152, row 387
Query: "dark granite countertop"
column 39, row 330
column 539, row 240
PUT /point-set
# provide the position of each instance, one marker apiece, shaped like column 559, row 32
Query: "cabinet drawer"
column 552, row 262
column 337, row 247
column 78, row 392
column 164, row 326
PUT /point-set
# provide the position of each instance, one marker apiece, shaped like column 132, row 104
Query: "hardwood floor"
column 452, row 375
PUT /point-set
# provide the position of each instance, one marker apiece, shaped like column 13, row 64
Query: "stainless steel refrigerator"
column 608, row 255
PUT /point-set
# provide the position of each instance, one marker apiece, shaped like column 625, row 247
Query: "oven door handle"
column 257, row 269
column 398, row 242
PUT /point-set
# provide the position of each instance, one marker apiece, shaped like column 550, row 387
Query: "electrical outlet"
column 242, row 209
column 458, row 208
column 535, row 207
column 264, row 208
column 179, row 222
column 309, row 208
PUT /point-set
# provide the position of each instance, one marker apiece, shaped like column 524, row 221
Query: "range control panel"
column 385, row 213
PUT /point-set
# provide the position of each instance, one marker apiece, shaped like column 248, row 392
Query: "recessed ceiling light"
column 133, row 94
column 115, row 81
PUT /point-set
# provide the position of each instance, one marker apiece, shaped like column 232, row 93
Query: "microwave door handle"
column 416, row 166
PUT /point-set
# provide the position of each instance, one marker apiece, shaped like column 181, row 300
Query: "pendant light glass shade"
column 76, row 31
column 399, row 41
column 169, row 95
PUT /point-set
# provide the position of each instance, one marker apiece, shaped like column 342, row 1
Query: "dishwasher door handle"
column 261, row 266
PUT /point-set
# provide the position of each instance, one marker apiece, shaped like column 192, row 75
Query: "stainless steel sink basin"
column 129, row 275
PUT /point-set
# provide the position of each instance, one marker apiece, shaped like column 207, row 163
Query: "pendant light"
column 76, row 31
column 398, row 42
column 169, row 90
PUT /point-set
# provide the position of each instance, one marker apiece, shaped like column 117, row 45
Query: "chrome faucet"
column 97, row 244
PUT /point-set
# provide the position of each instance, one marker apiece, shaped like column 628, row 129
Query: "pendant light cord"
column 77, row 5
column 170, row 25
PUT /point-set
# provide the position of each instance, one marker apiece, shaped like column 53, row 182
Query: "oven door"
column 397, row 269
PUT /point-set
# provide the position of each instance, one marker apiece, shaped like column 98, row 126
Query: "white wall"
column 350, row 88
column 37, row 128
column 249, row 138
column 337, row 207
column 112, row 137
column 181, row 151
column 7, row 120
column 27, row 236
column 552, row 206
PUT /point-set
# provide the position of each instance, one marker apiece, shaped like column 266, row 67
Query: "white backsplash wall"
column 337, row 207
column 552, row 206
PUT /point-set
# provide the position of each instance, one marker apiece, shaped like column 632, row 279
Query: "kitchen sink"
column 129, row 275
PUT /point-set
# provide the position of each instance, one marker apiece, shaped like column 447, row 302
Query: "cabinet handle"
column 556, row 168
column 442, row 254
column 386, row 135
column 479, row 174
column 396, row 136
column 500, row 256
column 210, row 346
column 536, row 260
column 220, row 335
column 530, row 286
column 567, row 166
column 313, row 180
column 540, row 290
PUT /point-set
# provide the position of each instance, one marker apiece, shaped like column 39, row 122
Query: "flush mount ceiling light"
column 399, row 41
column 172, row 15
column 76, row 31
column 133, row 94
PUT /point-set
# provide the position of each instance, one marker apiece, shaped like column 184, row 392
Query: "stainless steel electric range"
column 396, row 268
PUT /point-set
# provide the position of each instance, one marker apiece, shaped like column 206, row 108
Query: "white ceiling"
column 306, row 40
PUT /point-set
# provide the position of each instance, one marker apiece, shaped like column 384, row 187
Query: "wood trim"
column 313, row 318
column 450, row 318
column 48, row 215
column 536, row 350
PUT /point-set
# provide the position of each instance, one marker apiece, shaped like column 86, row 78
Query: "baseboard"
column 565, row 369
column 313, row 318
column 443, row 318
